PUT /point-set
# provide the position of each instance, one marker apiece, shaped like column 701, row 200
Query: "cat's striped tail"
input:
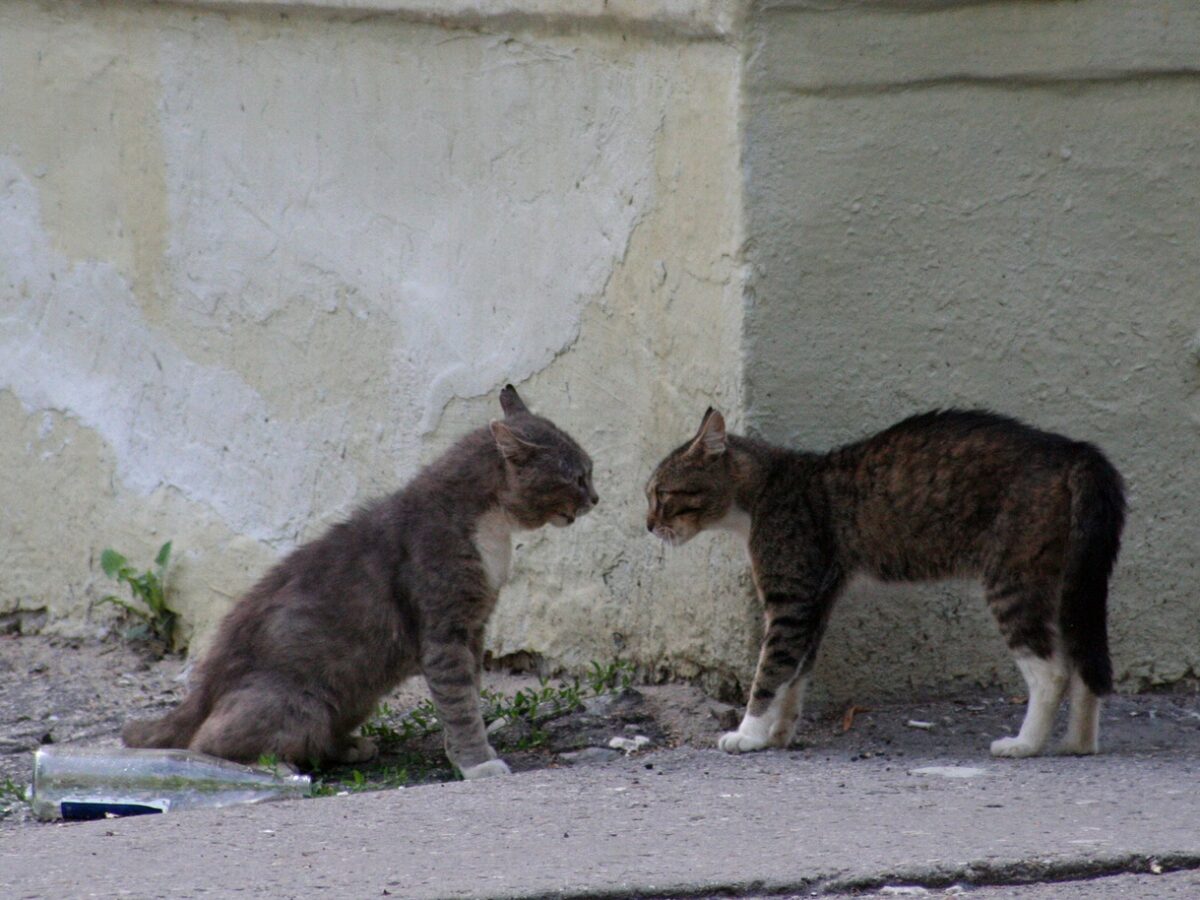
column 175, row 729
column 1097, row 517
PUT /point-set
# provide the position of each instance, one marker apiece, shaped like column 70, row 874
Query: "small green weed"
column 528, row 710
column 270, row 762
column 12, row 797
column 380, row 729
column 420, row 721
column 149, row 589
column 322, row 788
column 616, row 676
column 417, row 723
column 378, row 778
column 534, row 705
column 531, row 708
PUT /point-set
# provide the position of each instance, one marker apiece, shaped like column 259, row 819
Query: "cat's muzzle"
column 666, row 534
column 563, row 518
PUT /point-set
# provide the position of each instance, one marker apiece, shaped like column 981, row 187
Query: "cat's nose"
column 650, row 526
column 595, row 498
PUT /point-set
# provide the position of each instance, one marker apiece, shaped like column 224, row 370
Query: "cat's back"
column 356, row 565
column 942, row 489
column 368, row 543
column 968, row 442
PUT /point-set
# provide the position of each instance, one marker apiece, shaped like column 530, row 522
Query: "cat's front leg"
column 775, row 727
column 450, row 673
column 793, row 632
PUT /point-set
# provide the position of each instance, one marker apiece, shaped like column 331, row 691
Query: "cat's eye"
column 581, row 481
column 678, row 495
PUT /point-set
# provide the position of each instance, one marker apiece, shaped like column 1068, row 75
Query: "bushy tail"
column 175, row 729
column 1097, row 517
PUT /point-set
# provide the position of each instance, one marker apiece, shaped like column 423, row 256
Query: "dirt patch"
column 72, row 692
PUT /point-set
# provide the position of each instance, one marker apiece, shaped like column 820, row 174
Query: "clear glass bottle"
column 102, row 782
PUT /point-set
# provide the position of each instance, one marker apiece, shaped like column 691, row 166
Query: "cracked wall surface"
column 993, row 205
column 260, row 264
column 261, row 260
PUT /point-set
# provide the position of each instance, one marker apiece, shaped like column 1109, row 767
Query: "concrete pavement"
column 681, row 822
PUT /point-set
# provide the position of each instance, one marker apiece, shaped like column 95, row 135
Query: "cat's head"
column 693, row 487
column 548, row 476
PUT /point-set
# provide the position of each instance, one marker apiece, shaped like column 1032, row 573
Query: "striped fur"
column 1037, row 517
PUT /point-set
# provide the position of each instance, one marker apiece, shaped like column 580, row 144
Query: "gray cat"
column 1035, row 516
column 406, row 585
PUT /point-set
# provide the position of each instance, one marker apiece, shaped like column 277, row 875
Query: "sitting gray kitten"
column 406, row 585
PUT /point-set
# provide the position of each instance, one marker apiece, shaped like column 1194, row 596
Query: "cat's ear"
column 511, row 402
column 513, row 447
column 710, row 440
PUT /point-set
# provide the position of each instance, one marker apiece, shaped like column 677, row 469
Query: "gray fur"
column 399, row 588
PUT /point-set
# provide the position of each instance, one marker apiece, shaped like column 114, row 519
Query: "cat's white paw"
column 486, row 769
column 736, row 742
column 1013, row 748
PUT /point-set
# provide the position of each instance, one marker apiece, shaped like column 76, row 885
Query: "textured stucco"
column 984, row 205
column 261, row 259
column 259, row 264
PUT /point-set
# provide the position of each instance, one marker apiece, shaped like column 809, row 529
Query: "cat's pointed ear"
column 710, row 440
column 512, row 446
column 511, row 402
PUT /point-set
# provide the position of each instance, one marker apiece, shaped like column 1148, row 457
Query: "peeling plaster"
column 74, row 340
column 465, row 250
column 341, row 225
column 473, row 247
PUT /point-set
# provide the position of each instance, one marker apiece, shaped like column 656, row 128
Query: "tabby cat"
column 406, row 585
column 1036, row 516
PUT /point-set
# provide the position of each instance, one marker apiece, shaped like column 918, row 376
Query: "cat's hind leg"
column 1024, row 608
column 793, row 633
column 1083, row 724
column 1047, row 680
column 258, row 720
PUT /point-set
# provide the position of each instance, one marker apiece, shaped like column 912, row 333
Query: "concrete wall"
column 260, row 262
column 986, row 204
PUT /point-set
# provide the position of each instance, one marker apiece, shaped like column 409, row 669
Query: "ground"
column 70, row 692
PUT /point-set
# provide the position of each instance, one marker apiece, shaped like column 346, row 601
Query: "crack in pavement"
column 978, row 874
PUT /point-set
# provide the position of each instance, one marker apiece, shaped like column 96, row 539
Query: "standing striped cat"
column 1036, row 516
column 406, row 585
